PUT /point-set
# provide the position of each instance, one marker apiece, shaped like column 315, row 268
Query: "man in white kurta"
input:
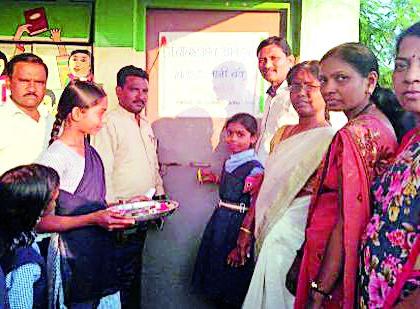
column 128, row 149
column 274, row 62
column 25, row 125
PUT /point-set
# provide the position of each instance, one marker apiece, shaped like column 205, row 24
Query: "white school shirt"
column 68, row 164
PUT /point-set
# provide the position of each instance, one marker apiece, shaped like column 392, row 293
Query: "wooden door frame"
column 290, row 12
column 201, row 21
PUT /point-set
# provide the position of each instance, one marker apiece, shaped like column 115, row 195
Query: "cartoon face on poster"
column 80, row 64
column 64, row 67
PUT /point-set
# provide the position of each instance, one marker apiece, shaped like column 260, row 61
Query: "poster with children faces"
column 214, row 74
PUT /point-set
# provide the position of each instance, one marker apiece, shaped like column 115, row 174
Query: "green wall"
column 127, row 27
column 115, row 23
column 74, row 18
column 122, row 23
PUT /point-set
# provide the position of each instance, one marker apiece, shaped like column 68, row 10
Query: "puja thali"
column 146, row 210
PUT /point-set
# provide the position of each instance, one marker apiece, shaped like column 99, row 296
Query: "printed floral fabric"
column 393, row 229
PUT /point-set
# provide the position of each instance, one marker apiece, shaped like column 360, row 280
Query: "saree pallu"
column 282, row 216
column 358, row 152
column 268, row 285
column 87, row 269
column 288, row 168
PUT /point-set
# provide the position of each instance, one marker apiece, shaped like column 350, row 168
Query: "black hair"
column 314, row 68
column 4, row 58
column 248, row 121
column 130, row 70
column 25, row 57
column 402, row 121
column 80, row 51
column 278, row 41
column 362, row 59
column 25, row 191
column 413, row 30
column 77, row 93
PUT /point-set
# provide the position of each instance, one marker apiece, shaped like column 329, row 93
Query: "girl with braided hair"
column 83, row 269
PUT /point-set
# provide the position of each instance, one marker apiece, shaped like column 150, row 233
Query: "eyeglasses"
column 305, row 87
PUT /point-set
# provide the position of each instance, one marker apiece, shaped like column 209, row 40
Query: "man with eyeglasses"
column 274, row 62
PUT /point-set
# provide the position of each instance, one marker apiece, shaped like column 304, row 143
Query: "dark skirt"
column 213, row 277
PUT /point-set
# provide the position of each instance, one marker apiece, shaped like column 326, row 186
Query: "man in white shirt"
column 275, row 59
column 128, row 149
column 25, row 126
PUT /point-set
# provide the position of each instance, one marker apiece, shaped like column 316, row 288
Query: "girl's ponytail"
column 55, row 129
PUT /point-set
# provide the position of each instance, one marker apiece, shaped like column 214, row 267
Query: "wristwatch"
column 316, row 288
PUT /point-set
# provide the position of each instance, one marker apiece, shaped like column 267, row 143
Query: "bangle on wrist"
column 315, row 287
column 244, row 229
column 160, row 197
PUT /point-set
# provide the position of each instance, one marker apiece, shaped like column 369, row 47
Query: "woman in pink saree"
column 389, row 272
column 340, row 210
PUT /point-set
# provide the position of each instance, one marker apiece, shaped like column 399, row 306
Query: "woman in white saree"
column 289, row 183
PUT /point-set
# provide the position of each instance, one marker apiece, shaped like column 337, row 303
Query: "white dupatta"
column 287, row 170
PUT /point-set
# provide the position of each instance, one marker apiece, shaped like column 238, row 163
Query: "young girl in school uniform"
column 225, row 260
column 81, row 254
column 25, row 192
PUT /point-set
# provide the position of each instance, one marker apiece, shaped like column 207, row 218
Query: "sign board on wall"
column 209, row 74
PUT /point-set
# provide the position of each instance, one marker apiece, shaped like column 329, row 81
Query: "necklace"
column 364, row 109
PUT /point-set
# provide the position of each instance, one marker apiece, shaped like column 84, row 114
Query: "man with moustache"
column 128, row 148
column 275, row 59
column 25, row 125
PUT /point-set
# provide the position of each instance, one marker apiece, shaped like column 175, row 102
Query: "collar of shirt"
column 130, row 115
column 237, row 159
column 12, row 109
column 272, row 92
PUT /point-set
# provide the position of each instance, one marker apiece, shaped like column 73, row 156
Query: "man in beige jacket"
column 128, row 149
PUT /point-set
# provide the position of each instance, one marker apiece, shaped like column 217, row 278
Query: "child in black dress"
column 225, row 262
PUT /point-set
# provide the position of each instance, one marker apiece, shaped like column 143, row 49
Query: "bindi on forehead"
column 409, row 58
